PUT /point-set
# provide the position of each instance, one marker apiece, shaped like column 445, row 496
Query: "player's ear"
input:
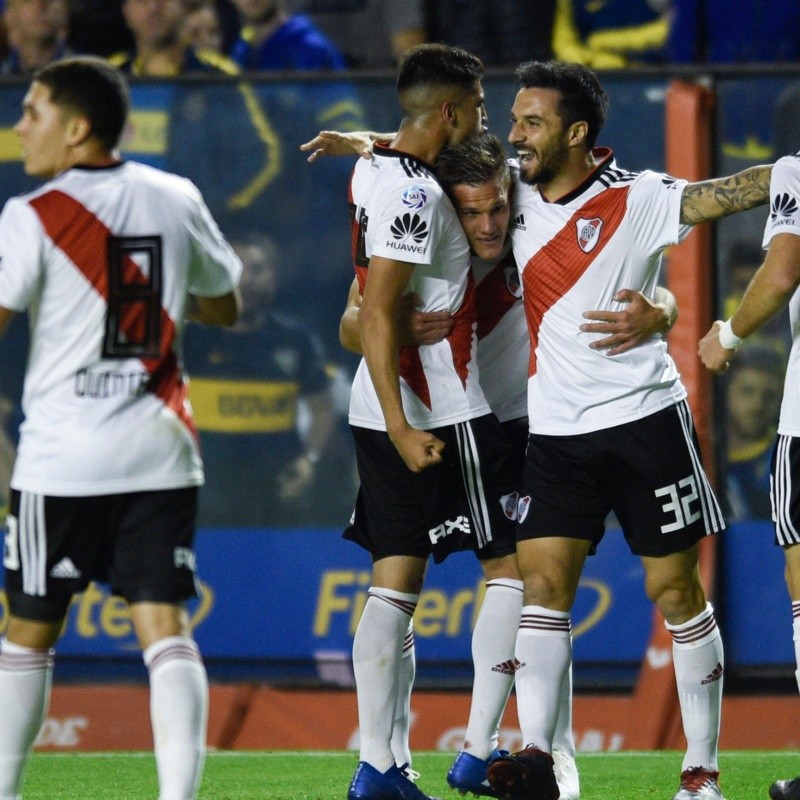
column 448, row 112
column 577, row 132
column 79, row 129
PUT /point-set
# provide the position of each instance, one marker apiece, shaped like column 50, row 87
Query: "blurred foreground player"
column 108, row 258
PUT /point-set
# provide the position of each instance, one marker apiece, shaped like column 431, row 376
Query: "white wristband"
column 727, row 338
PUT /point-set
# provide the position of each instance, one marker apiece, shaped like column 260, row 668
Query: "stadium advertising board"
column 279, row 596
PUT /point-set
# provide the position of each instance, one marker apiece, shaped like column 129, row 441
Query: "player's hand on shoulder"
column 418, row 449
column 336, row 143
column 714, row 356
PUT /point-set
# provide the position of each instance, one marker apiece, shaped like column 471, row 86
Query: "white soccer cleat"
column 566, row 775
column 699, row 784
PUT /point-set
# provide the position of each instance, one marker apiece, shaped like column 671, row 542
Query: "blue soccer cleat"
column 369, row 784
column 468, row 774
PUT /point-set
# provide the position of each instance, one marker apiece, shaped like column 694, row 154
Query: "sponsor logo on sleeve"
column 415, row 197
column 408, row 234
column 784, row 207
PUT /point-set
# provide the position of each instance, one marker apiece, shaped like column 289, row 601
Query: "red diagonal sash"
column 83, row 238
column 558, row 266
column 493, row 298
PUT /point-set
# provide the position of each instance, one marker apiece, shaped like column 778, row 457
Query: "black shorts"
column 648, row 472
column 140, row 543
column 467, row 502
column 784, row 490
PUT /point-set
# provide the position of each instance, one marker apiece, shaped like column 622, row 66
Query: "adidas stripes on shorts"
column 460, row 504
column 140, row 543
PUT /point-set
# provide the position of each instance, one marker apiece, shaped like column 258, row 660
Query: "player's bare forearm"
column 418, row 449
column 415, row 328
column 386, row 283
column 705, row 201
column 349, row 336
column 769, row 291
column 772, row 286
column 338, row 143
column 379, row 344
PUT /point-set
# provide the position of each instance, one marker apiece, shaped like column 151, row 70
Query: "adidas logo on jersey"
column 519, row 223
column 65, row 569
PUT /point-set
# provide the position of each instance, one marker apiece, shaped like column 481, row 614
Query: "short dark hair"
column 476, row 160
column 438, row 65
column 583, row 99
column 91, row 87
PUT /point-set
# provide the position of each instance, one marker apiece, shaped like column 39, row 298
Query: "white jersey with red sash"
column 401, row 212
column 575, row 253
column 102, row 259
column 503, row 343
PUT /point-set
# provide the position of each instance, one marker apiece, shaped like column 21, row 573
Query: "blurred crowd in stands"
column 373, row 34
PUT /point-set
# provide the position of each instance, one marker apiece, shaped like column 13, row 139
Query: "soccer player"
column 772, row 288
column 421, row 424
column 476, row 175
column 108, row 258
column 607, row 432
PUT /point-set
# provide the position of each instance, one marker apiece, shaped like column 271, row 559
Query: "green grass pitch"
column 324, row 776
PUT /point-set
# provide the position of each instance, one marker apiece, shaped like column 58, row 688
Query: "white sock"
column 796, row 637
column 178, row 714
column 401, row 731
column 544, row 652
column 493, row 642
column 377, row 653
column 563, row 739
column 699, row 662
column 26, row 676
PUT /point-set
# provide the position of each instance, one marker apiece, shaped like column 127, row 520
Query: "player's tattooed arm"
column 712, row 199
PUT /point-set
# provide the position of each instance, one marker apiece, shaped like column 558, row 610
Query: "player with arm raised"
column 773, row 287
column 608, row 432
column 108, row 257
column 425, row 437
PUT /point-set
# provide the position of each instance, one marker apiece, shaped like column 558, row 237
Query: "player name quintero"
column 110, row 383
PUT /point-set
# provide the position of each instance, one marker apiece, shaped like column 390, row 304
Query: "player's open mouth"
column 525, row 156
